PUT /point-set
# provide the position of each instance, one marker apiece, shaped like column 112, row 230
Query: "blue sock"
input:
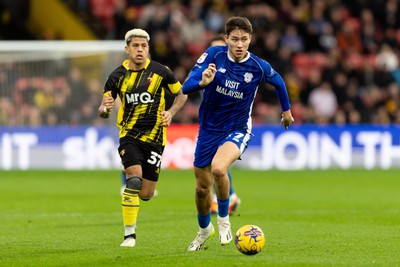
column 123, row 178
column 231, row 191
column 223, row 207
column 205, row 220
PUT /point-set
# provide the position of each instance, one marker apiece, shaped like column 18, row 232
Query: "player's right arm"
column 110, row 92
column 202, row 74
column 107, row 104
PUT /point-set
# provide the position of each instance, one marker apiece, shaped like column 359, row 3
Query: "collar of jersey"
column 126, row 61
column 243, row 60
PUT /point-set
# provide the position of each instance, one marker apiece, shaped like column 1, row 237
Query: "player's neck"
column 136, row 67
column 236, row 59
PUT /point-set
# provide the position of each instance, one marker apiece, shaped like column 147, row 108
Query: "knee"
column 217, row 171
column 134, row 183
column 202, row 192
column 146, row 196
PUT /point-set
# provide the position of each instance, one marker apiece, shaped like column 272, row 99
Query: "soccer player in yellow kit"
column 141, row 84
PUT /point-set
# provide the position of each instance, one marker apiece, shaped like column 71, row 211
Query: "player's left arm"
column 175, row 87
column 179, row 101
column 280, row 88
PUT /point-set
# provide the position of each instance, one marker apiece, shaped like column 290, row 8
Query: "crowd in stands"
column 44, row 94
column 339, row 59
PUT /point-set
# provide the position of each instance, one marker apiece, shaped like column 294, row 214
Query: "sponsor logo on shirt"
column 136, row 98
column 228, row 92
column 231, row 89
column 202, row 58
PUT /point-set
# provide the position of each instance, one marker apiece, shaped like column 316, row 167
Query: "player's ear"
column 127, row 49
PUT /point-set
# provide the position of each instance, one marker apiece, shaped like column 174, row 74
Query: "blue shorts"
column 208, row 144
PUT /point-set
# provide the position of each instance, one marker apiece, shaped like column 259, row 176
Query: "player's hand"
column 208, row 75
column 166, row 118
column 109, row 102
column 287, row 119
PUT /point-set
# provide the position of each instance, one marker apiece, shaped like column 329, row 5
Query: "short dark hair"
column 241, row 23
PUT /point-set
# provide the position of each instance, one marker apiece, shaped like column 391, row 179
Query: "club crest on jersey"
column 202, row 58
column 149, row 80
column 222, row 70
column 248, row 77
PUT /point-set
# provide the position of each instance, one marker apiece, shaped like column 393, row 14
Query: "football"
column 250, row 239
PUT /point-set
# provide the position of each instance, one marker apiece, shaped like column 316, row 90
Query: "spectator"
column 387, row 59
column 292, row 40
column 315, row 26
column 324, row 103
column 214, row 18
column 327, row 40
column 348, row 39
column 193, row 33
column 371, row 34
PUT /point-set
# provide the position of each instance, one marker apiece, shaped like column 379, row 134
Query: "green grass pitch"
column 309, row 218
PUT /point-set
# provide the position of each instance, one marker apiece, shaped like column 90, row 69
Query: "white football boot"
column 224, row 229
column 202, row 236
column 129, row 241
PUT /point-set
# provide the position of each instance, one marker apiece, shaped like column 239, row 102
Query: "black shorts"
column 136, row 152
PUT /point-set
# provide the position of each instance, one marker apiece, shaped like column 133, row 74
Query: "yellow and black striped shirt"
column 142, row 95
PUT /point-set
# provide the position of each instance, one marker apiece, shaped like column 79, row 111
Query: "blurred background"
column 339, row 59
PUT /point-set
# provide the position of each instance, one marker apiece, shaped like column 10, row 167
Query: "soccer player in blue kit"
column 229, row 77
column 234, row 200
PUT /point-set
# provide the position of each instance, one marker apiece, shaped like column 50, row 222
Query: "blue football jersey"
column 228, row 99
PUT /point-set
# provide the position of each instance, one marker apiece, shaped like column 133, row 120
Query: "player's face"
column 138, row 52
column 238, row 44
